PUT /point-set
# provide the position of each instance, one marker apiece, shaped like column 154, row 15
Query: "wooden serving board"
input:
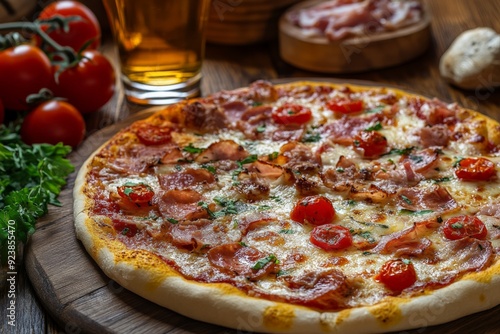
column 74, row 290
column 356, row 54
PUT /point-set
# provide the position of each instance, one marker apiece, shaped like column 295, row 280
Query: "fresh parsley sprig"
column 31, row 178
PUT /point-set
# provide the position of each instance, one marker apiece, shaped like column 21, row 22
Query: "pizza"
column 304, row 207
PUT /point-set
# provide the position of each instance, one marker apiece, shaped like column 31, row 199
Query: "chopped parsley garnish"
column 273, row 156
column 248, row 160
column 375, row 110
column 417, row 212
column 127, row 191
column 356, row 143
column 264, row 261
column 367, row 253
column 376, row 127
column 229, row 207
column 443, row 179
column 240, row 163
column 367, row 235
column 416, row 158
column 457, row 226
column 172, row 221
column 406, row 261
column 210, row 168
column 205, row 206
column 400, row 151
column 283, row 273
column 311, row 137
column 261, row 128
column 368, row 223
column 406, row 199
column 125, row 231
column 457, row 162
column 256, row 104
column 275, row 198
column 264, row 207
column 287, row 231
column 243, row 244
column 191, row 149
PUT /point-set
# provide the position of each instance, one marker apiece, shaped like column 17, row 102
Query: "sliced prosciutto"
column 237, row 259
column 339, row 19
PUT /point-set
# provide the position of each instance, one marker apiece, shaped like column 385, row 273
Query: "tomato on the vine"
column 52, row 122
column 80, row 31
column 24, row 70
column 89, row 84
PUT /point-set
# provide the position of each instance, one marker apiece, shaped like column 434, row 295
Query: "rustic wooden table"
column 228, row 67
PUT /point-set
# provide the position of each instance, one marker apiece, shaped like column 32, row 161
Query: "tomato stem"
column 67, row 53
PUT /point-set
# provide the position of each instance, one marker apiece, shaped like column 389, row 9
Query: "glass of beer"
column 161, row 44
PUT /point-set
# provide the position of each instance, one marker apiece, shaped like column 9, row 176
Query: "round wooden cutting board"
column 357, row 54
column 77, row 294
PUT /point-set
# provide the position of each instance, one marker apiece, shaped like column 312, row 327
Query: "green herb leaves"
column 31, row 177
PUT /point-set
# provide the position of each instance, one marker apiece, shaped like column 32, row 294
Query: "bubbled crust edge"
column 148, row 276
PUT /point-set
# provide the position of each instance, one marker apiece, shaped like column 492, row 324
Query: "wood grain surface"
column 226, row 67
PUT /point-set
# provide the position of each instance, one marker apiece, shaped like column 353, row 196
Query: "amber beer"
column 161, row 46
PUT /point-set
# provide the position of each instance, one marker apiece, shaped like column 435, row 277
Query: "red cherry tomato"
column 53, row 122
column 89, row 84
column 139, row 194
column 80, row 32
column 464, row 226
column 345, row 105
column 372, row 143
column 316, row 210
column 24, row 70
column 292, row 114
column 331, row 237
column 2, row 112
column 475, row 169
column 397, row 275
column 153, row 135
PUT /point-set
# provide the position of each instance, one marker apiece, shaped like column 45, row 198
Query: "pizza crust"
column 148, row 276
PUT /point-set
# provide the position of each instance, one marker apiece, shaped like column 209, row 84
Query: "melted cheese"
column 367, row 221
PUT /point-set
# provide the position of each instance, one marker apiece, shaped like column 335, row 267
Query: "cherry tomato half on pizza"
column 331, row 237
column 291, row 114
column 139, row 194
column 464, row 226
column 345, row 105
column 373, row 143
column 397, row 275
column 475, row 169
column 316, row 210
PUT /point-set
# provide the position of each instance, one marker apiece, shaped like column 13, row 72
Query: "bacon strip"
column 434, row 198
column 222, row 150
